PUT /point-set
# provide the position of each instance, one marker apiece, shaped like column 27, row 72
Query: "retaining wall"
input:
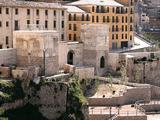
column 8, row 56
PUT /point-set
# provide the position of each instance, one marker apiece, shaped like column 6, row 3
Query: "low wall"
column 98, row 117
column 129, row 97
column 8, row 56
column 155, row 92
column 106, row 117
column 151, row 108
column 131, row 117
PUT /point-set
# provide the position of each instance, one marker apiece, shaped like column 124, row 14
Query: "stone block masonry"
column 7, row 57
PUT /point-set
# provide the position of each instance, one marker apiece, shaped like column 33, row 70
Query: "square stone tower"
column 96, row 46
column 37, row 48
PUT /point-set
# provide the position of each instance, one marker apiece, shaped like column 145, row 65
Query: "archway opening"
column 70, row 57
column 102, row 62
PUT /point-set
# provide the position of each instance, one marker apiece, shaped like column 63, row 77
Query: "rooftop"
column 97, row 2
column 74, row 9
column 12, row 3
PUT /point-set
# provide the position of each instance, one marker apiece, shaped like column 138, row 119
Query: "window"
column 46, row 12
column 126, row 19
column 7, row 40
column 112, row 36
column 92, row 8
column 131, row 2
column 122, row 28
column 130, row 37
column 62, row 12
column 0, row 10
column 74, row 17
column 87, row 17
column 104, row 19
column 117, row 10
column 112, row 28
column 131, row 28
column 70, row 36
column 28, row 22
column 62, row 24
column 7, row 10
column 116, row 28
column 122, row 19
column 16, row 11
column 107, row 9
column 1, row 46
column 62, row 37
column 125, row 36
column 46, row 24
column 28, row 11
column 37, row 12
column 107, row 18
column 113, row 9
column 126, row 27
column 131, row 11
column 54, row 12
column 113, row 19
column 70, row 26
column 122, row 36
column 97, row 19
column 116, row 36
column 97, row 9
column 102, row 62
column 126, row 10
column 92, row 18
column 37, row 22
column 82, row 17
column 131, row 20
column 117, row 19
column 7, row 24
column 54, row 24
column 70, row 17
column 74, row 26
column 74, row 37
column 0, row 23
column 16, row 25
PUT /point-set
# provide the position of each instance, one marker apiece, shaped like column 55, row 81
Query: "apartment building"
column 19, row 15
column 118, row 14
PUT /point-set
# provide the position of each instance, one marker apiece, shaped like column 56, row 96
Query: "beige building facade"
column 19, row 15
column 118, row 15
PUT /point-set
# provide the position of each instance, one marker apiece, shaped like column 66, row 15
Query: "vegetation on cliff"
column 27, row 112
column 76, row 101
column 10, row 91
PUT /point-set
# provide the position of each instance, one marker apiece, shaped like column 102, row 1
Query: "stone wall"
column 131, row 117
column 8, row 56
column 106, row 117
column 144, row 72
column 129, row 97
column 84, row 72
column 151, row 108
column 98, row 117
column 113, row 60
column 155, row 92
column 51, row 100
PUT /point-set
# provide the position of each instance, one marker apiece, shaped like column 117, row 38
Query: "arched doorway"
column 102, row 62
column 70, row 57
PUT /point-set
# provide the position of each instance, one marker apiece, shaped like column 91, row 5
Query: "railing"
column 138, row 107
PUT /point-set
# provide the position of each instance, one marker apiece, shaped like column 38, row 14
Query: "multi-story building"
column 117, row 14
column 18, row 15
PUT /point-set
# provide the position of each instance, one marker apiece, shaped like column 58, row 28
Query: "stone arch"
column 70, row 57
column 102, row 62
